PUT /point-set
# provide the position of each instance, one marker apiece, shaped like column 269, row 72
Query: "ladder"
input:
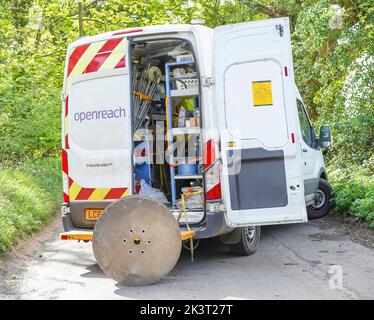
column 171, row 95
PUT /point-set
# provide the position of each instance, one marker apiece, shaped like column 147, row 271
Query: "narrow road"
column 305, row 261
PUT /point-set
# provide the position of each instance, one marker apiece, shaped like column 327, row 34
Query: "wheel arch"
column 323, row 174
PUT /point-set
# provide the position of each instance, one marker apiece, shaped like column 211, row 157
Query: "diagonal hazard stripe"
column 110, row 45
column 126, row 193
column 99, row 194
column 104, row 52
column 66, row 197
column 121, row 63
column 67, row 106
column 114, row 57
column 74, row 190
column 96, row 62
column 102, row 55
column 86, row 58
column 64, row 161
column 67, row 142
column 66, row 124
column 84, row 193
column 83, row 62
column 116, row 193
column 75, row 56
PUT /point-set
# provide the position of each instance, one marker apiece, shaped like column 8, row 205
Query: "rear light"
column 213, row 183
column 64, row 158
column 293, row 137
column 212, row 176
column 137, row 186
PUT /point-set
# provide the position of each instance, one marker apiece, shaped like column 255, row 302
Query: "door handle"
column 305, row 150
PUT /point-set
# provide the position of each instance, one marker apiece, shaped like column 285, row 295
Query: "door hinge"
column 280, row 28
column 63, row 96
column 208, row 82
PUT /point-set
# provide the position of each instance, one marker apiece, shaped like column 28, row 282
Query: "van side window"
column 306, row 128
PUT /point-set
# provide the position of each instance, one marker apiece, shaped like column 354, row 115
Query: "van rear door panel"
column 261, row 183
column 255, row 99
column 98, row 124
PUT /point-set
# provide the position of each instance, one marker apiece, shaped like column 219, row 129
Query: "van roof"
column 147, row 30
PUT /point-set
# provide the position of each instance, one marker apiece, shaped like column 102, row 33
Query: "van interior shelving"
column 165, row 102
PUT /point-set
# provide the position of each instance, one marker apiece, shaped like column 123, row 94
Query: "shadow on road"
column 209, row 250
column 210, row 255
column 291, row 261
column 94, row 271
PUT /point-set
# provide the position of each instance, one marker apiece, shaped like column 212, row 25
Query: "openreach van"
column 175, row 133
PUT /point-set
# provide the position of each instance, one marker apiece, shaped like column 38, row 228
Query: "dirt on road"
column 326, row 259
column 355, row 229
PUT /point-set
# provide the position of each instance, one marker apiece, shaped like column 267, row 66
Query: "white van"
column 231, row 90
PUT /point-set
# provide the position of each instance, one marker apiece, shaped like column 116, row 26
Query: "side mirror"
column 325, row 137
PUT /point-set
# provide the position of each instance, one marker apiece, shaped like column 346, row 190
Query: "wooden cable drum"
column 154, row 73
column 136, row 241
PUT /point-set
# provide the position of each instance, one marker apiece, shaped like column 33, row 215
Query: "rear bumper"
column 87, row 235
column 73, row 219
column 77, row 212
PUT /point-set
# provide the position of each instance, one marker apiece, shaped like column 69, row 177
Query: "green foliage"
column 29, row 126
column 353, row 189
column 355, row 197
column 364, row 208
column 29, row 195
column 335, row 74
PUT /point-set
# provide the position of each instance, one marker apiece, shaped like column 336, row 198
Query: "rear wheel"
column 322, row 202
column 249, row 240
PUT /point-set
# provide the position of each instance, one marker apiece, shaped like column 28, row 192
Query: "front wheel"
column 249, row 240
column 322, row 202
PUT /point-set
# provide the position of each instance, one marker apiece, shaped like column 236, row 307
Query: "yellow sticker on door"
column 262, row 93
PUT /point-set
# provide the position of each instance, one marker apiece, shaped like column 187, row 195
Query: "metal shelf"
column 158, row 117
column 184, row 92
column 188, row 177
column 187, row 130
column 172, row 94
column 186, row 77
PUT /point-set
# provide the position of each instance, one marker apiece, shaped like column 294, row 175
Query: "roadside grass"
column 29, row 196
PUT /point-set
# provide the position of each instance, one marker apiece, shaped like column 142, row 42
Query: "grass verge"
column 30, row 194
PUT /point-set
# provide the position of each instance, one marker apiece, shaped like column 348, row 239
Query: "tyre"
column 322, row 201
column 249, row 240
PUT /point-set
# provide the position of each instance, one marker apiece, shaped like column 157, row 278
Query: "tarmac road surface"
column 303, row 261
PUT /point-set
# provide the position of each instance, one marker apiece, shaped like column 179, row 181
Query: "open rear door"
column 259, row 129
column 97, row 125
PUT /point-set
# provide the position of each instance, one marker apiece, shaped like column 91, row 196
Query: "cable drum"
column 154, row 73
column 136, row 241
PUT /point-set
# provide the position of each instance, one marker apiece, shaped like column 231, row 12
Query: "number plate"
column 93, row 214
